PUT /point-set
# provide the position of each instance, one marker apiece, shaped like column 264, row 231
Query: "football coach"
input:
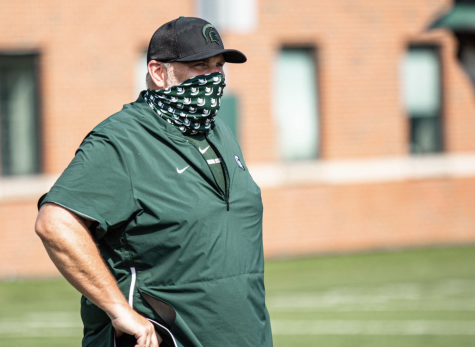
column 156, row 220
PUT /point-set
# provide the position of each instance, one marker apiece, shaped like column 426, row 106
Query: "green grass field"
column 411, row 298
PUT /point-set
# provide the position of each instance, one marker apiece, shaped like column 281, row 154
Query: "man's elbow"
column 46, row 221
column 41, row 227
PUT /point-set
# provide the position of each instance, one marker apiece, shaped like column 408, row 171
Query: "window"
column 233, row 15
column 422, row 98
column 228, row 112
column 296, row 104
column 466, row 53
column 141, row 71
column 19, row 115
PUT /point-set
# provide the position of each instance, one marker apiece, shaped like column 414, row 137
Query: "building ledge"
column 25, row 187
column 281, row 174
column 355, row 171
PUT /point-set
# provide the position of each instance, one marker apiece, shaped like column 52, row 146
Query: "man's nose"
column 216, row 69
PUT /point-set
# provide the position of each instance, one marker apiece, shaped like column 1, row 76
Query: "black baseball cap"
column 189, row 39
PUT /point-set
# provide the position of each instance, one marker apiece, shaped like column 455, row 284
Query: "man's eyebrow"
column 207, row 60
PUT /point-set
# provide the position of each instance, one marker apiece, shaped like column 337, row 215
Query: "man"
column 156, row 221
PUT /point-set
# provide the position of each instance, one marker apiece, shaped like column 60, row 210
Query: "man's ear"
column 158, row 73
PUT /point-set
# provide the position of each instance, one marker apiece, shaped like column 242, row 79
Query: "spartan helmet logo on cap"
column 210, row 34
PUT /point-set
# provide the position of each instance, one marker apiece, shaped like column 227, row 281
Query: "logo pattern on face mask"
column 190, row 106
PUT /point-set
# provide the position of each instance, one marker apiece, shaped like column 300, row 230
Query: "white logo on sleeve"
column 203, row 151
column 182, row 170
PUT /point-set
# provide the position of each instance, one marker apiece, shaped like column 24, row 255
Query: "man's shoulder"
column 129, row 116
column 121, row 127
column 222, row 127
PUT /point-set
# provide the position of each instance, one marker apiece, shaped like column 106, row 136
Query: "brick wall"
column 88, row 54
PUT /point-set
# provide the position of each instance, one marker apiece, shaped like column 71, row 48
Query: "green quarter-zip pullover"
column 171, row 229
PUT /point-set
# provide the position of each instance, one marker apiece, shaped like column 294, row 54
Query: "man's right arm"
column 70, row 246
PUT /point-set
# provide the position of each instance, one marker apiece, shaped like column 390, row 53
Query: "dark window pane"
column 425, row 135
column 19, row 139
column 467, row 53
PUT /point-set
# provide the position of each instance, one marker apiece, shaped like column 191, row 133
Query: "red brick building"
column 355, row 120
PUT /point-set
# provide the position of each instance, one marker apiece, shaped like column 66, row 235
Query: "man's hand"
column 72, row 249
column 130, row 322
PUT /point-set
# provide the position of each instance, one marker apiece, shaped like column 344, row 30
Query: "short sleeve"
column 96, row 184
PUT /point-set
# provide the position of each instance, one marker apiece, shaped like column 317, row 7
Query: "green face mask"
column 192, row 105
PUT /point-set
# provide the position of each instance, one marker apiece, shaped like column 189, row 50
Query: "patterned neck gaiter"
column 192, row 105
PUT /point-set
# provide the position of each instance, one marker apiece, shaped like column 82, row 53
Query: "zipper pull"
column 227, row 205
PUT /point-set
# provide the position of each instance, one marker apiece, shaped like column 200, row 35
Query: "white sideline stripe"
column 384, row 169
column 373, row 327
column 19, row 325
column 132, row 287
column 43, row 333
column 407, row 307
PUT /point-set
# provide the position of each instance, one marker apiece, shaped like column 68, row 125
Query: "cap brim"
column 230, row 56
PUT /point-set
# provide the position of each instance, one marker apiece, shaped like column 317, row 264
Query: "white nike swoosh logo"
column 203, row 151
column 182, row 170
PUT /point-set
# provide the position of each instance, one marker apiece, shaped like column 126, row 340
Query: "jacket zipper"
column 225, row 170
column 226, row 173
